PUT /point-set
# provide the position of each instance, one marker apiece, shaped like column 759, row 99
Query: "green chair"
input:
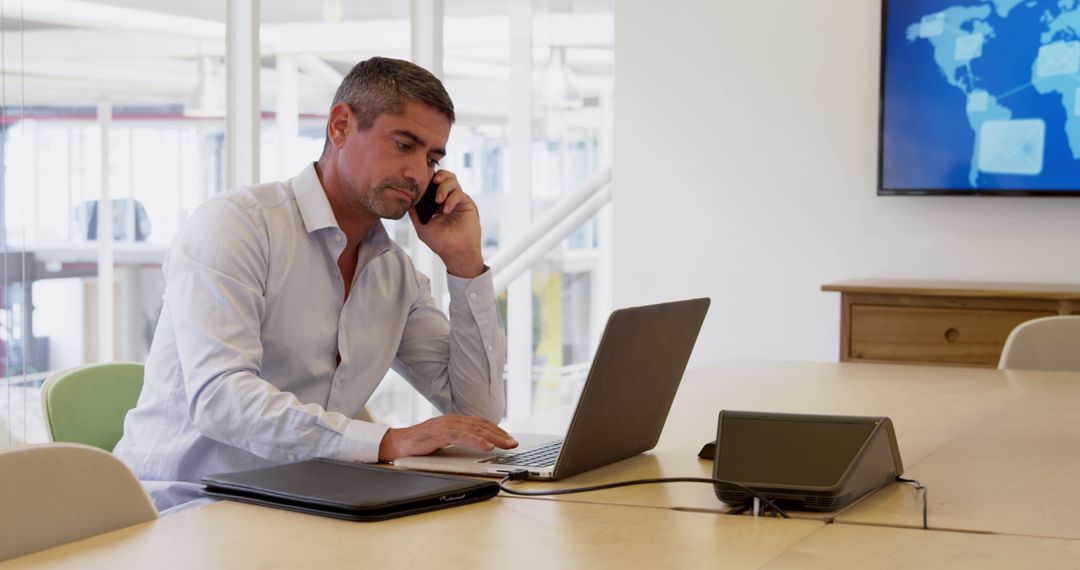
column 87, row 404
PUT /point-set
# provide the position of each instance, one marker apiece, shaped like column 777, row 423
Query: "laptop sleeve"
column 347, row 491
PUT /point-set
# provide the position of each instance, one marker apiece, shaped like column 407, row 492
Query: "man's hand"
column 437, row 433
column 454, row 233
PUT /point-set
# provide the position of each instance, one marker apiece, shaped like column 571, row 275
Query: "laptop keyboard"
column 543, row 456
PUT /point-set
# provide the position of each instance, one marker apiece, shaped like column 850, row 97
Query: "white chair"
column 55, row 493
column 1049, row 343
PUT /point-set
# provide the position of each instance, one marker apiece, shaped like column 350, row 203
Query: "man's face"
column 385, row 167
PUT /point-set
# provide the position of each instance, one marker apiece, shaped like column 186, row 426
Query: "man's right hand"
column 437, row 433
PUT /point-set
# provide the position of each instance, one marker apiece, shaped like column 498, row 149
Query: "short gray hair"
column 383, row 85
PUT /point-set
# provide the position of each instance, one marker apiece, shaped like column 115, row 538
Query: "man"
column 287, row 302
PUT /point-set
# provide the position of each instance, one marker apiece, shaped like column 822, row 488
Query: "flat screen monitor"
column 980, row 97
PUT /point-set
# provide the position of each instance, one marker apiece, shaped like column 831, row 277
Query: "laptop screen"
column 787, row 451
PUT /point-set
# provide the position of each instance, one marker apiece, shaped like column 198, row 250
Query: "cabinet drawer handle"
column 952, row 335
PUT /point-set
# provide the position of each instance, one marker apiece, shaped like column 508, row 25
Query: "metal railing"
column 551, row 228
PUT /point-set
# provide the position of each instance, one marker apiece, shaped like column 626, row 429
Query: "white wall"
column 745, row 170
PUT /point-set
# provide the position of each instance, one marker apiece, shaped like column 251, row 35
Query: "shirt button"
column 338, row 237
column 472, row 295
column 490, row 348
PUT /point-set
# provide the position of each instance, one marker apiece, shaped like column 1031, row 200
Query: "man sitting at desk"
column 286, row 303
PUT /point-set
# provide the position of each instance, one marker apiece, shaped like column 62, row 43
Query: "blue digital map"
column 981, row 95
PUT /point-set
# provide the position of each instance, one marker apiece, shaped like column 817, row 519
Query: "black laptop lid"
column 347, row 491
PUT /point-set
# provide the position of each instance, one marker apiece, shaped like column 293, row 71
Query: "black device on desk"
column 817, row 462
column 347, row 491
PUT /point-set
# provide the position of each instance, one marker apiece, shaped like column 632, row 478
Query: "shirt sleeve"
column 216, row 278
column 457, row 363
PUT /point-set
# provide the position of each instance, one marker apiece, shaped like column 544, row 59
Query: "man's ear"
column 337, row 128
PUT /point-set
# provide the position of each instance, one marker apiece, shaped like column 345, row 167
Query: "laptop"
column 623, row 406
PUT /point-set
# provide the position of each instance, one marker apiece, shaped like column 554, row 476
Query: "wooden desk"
column 929, row 406
column 1017, row 472
column 940, row 322
column 997, row 450
column 500, row 533
column 850, row 546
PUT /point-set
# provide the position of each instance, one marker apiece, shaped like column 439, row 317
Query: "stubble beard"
column 385, row 202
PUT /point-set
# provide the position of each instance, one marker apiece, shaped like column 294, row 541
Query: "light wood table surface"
column 998, row 451
column 929, row 406
column 1017, row 472
column 499, row 533
column 851, row 546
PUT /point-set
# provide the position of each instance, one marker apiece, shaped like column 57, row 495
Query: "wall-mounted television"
column 980, row 97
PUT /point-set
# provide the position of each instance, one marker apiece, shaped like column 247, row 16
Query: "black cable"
column 521, row 475
column 919, row 487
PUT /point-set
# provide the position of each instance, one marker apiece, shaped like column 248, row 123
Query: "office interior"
column 721, row 149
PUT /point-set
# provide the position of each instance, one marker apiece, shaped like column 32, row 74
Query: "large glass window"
column 126, row 113
column 567, row 65
column 144, row 89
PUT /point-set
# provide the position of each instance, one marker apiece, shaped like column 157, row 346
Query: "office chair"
column 1048, row 343
column 87, row 404
column 55, row 493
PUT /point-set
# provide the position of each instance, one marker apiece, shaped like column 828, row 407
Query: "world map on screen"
column 982, row 94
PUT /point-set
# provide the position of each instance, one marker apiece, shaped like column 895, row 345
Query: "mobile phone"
column 427, row 207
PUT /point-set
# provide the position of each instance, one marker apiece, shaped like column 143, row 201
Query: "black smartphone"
column 427, row 207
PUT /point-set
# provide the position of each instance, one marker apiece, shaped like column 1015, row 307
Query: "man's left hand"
column 454, row 232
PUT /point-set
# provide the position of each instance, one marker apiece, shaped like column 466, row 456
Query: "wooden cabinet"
column 940, row 322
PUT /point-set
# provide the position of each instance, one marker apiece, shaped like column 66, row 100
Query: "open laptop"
column 623, row 406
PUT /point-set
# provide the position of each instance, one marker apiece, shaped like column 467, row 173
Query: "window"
column 144, row 89
column 545, row 69
column 143, row 85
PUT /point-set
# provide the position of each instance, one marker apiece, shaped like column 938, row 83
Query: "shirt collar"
column 317, row 214
column 312, row 201
column 377, row 238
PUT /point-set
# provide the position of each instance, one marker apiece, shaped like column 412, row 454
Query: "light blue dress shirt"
column 243, row 369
